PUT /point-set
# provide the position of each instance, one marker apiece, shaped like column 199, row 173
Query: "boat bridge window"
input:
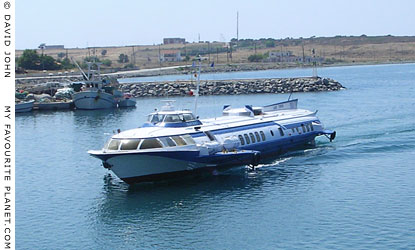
column 258, row 139
column 129, row 144
column 188, row 139
column 167, row 141
column 150, row 143
column 172, row 118
column 307, row 127
column 293, row 130
column 311, row 126
column 188, row 117
column 262, row 135
column 156, row 118
column 252, row 137
column 272, row 132
column 302, row 126
column 241, row 139
column 247, row 139
column 179, row 141
column 298, row 131
column 113, row 144
column 281, row 132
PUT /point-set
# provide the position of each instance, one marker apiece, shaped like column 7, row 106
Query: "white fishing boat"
column 175, row 142
column 21, row 107
column 96, row 93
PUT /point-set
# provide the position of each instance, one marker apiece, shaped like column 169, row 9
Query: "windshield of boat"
column 171, row 118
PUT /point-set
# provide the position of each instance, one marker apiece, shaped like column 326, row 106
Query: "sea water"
column 356, row 192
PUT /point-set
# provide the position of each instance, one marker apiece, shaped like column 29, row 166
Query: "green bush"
column 106, row 62
column 256, row 58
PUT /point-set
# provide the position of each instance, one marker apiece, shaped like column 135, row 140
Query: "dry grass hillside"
column 340, row 49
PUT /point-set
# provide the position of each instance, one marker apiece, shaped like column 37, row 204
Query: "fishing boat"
column 96, row 93
column 21, row 107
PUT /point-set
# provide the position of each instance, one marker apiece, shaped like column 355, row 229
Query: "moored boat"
column 21, row 107
column 96, row 93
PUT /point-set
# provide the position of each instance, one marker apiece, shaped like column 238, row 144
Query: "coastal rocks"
column 232, row 87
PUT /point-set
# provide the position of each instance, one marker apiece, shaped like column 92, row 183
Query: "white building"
column 170, row 56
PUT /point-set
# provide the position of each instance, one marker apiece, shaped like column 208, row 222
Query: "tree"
column 61, row 55
column 107, row 62
column 270, row 44
column 256, row 58
column 123, row 58
column 103, row 52
column 29, row 59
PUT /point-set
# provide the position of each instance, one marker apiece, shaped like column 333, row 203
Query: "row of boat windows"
column 247, row 139
column 304, row 127
column 162, row 142
column 255, row 137
column 172, row 118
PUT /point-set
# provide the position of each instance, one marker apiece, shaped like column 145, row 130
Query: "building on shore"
column 174, row 41
column 170, row 56
column 44, row 46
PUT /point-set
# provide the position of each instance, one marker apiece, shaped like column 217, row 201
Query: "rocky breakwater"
column 231, row 87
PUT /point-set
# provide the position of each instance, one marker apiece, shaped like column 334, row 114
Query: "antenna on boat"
column 83, row 73
column 197, row 85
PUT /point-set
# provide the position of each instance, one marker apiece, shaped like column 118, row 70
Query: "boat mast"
column 197, row 86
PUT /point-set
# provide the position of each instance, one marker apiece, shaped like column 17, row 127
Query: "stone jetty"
column 231, row 87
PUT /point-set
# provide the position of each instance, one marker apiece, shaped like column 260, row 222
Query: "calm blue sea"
column 354, row 193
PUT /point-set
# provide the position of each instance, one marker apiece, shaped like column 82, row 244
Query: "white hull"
column 129, row 166
column 94, row 100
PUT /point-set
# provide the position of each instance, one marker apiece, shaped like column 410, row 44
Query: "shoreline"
column 187, row 69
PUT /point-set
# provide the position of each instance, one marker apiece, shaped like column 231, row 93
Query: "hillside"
column 339, row 49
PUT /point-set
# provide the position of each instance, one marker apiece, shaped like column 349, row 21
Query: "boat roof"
column 283, row 118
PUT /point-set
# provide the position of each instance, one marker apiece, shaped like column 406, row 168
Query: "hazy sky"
column 82, row 23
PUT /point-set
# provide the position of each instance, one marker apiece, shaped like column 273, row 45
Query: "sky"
column 83, row 23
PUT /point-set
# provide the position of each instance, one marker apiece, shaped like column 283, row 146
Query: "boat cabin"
column 169, row 117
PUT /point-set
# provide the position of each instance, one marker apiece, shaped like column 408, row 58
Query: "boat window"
column 188, row 117
column 247, row 139
column 307, row 127
column 210, row 135
column 262, row 135
column 172, row 118
column 241, row 139
column 167, row 141
column 156, row 118
column 150, row 143
column 311, row 126
column 179, row 141
column 272, row 132
column 188, row 139
column 298, row 131
column 302, row 126
column 129, row 144
column 293, row 130
column 257, row 137
column 252, row 137
column 113, row 144
column 281, row 132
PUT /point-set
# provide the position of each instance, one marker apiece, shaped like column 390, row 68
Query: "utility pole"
column 217, row 55
column 237, row 28
column 209, row 50
column 160, row 58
